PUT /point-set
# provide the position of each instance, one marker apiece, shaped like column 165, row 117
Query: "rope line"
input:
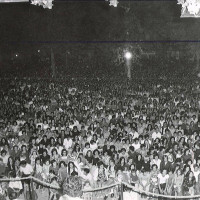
column 102, row 188
column 14, row 179
column 160, row 195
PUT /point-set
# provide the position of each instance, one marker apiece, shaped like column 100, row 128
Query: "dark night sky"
column 24, row 27
column 96, row 21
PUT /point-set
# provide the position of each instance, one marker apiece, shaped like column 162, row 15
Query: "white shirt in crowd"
column 136, row 146
column 156, row 135
column 5, row 159
column 15, row 184
column 163, row 179
column 28, row 169
column 156, row 162
column 67, row 143
column 93, row 146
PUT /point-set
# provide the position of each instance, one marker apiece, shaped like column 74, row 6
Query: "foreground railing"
column 117, row 191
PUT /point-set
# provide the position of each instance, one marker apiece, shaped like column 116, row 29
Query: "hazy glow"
column 128, row 55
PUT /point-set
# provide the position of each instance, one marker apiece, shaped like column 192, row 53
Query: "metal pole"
column 122, row 188
column 31, row 189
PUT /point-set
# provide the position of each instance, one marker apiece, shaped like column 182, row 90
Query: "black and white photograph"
column 99, row 99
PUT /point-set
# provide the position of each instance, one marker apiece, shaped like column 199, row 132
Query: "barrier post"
column 28, row 192
column 32, row 189
column 121, row 189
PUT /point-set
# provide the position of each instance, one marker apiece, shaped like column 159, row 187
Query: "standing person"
column 178, row 182
column 111, row 170
column 170, row 183
column 45, row 170
column 54, row 167
column 154, row 179
column 144, row 178
column 156, row 161
column 26, row 170
column 62, row 172
column 38, row 170
column 162, row 181
column 139, row 162
column 14, row 187
column 100, row 174
column 165, row 164
column 2, row 168
column 10, row 165
column 53, row 194
column 189, row 184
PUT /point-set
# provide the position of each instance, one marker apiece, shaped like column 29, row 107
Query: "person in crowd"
column 178, row 182
column 162, row 181
column 104, row 131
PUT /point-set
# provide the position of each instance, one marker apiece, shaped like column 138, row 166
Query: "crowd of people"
column 144, row 133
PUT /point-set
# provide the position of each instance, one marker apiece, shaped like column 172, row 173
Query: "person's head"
column 11, row 174
column 87, row 145
column 38, row 161
column 54, row 163
column 170, row 172
column 89, row 153
column 187, row 168
column 64, row 152
column 178, row 172
column 122, row 161
column 3, row 153
column 54, row 152
column 34, row 153
column 44, row 153
column 186, row 152
column 96, row 152
column 123, row 150
column 23, row 148
column 47, row 162
column 62, row 164
column 156, row 157
column 23, row 163
column 100, row 165
column 112, row 162
column 179, row 152
column 164, row 172
column 196, row 168
column 130, row 160
column 86, row 171
column 71, row 165
column 132, row 167
column 112, row 148
column 17, row 161
column 11, row 160
column 87, row 184
column 139, row 157
column 154, row 167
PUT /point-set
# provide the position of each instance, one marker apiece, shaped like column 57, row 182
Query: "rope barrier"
column 30, row 178
column 14, row 179
column 103, row 188
column 45, row 183
column 160, row 195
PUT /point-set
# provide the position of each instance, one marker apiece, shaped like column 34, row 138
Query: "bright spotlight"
column 128, row 55
column 38, row 50
column 16, row 55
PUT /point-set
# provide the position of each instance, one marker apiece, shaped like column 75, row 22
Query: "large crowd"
column 141, row 132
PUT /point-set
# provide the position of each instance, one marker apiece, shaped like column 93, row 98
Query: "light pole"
column 128, row 56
